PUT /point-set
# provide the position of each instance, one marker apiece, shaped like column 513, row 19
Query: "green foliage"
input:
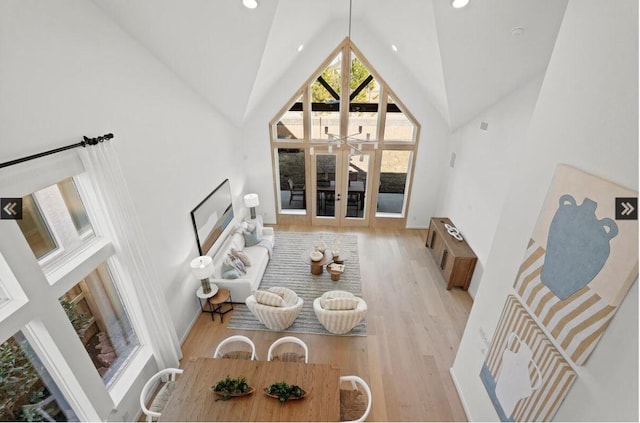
column 332, row 75
column 80, row 321
column 17, row 380
column 229, row 387
column 284, row 391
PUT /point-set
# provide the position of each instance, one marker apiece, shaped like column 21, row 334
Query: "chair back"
column 236, row 346
column 157, row 405
column 355, row 381
column 281, row 349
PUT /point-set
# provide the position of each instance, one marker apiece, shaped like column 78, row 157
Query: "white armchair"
column 276, row 307
column 339, row 311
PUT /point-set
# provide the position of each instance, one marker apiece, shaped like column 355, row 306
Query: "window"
column 394, row 171
column 95, row 311
column 345, row 102
column 27, row 391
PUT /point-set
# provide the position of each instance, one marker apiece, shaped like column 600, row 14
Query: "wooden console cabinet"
column 455, row 258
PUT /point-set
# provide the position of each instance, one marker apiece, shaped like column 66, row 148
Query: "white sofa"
column 258, row 255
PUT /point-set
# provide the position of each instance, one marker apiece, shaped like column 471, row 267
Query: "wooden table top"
column 193, row 400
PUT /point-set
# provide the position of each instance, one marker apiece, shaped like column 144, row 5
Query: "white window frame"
column 30, row 307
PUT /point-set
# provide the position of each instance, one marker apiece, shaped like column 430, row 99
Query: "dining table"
column 193, row 398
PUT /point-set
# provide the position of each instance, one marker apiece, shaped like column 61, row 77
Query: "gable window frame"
column 376, row 142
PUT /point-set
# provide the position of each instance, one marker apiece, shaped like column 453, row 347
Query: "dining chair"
column 296, row 191
column 236, row 346
column 351, row 400
column 288, row 348
column 167, row 378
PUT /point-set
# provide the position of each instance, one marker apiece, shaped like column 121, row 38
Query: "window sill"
column 122, row 385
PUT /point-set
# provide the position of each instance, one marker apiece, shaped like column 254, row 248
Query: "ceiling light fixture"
column 394, row 47
column 517, row 31
column 459, row 4
column 300, row 47
column 250, row 4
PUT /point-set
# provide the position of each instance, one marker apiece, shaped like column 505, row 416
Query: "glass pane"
column 325, row 185
column 27, row 391
column 363, row 102
column 292, row 179
column 35, row 228
column 76, row 208
column 325, row 101
column 393, row 181
column 96, row 312
column 357, row 185
column 398, row 127
column 290, row 125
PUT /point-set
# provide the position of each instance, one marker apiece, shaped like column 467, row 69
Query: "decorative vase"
column 577, row 246
column 320, row 245
column 316, row 255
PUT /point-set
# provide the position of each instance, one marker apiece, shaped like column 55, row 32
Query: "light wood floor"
column 414, row 326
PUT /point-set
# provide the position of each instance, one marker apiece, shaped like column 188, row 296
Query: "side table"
column 202, row 296
column 220, row 300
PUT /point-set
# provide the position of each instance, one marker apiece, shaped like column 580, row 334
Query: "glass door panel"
column 394, row 171
column 326, row 195
column 291, row 171
column 357, row 176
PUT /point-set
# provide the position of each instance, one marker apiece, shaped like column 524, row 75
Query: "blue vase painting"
column 577, row 246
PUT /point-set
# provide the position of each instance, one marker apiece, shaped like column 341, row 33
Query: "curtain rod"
column 86, row 141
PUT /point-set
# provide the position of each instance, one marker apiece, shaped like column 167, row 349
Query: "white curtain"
column 132, row 263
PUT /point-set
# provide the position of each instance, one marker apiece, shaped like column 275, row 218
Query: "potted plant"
column 283, row 391
column 232, row 387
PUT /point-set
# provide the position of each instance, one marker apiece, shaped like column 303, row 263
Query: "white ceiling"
column 464, row 60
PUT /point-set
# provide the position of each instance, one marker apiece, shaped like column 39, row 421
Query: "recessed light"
column 300, row 48
column 458, row 4
column 250, row 4
column 394, row 47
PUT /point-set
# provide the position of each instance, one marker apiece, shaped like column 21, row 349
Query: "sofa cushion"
column 237, row 263
column 269, row 298
column 229, row 271
column 242, row 256
column 344, row 303
column 237, row 240
column 251, row 238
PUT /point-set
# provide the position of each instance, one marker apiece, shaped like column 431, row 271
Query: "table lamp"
column 252, row 201
column 202, row 268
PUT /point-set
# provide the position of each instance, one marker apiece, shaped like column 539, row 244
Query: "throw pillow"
column 251, row 238
column 237, row 240
column 345, row 303
column 229, row 271
column 241, row 255
column 269, row 298
column 237, row 263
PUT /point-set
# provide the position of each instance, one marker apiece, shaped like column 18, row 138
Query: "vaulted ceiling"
column 464, row 60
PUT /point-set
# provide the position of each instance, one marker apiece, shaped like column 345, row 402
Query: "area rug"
column 288, row 268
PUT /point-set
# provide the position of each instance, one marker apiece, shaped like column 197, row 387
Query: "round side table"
column 221, row 303
column 204, row 298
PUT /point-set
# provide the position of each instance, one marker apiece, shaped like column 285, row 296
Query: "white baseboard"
column 464, row 404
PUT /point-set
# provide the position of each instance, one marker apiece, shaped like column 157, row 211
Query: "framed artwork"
column 524, row 374
column 581, row 260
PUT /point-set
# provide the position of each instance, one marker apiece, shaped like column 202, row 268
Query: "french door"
column 341, row 187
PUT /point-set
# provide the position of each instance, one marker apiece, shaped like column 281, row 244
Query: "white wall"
column 586, row 116
column 67, row 71
column 479, row 181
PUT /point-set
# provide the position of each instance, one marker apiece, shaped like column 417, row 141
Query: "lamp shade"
column 202, row 267
column 251, row 200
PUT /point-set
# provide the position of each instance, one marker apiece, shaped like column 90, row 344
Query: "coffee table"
column 317, row 266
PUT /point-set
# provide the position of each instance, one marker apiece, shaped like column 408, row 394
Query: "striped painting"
column 524, row 374
column 580, row 262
